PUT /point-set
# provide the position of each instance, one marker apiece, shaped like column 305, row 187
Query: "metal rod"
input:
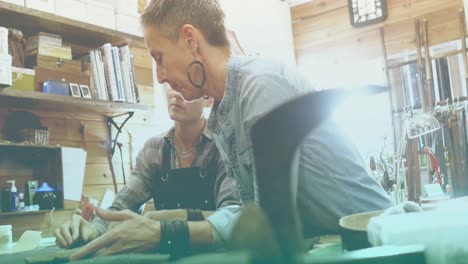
column 436, row 56
column 461, row 17
column 390, row 90
column 420, row 73
column 420, row 64
column 427, row 58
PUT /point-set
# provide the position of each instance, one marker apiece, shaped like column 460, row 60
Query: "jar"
column 44, row 197
column 6, row 237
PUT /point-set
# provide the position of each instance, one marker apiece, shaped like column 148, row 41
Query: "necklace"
column 184, row 154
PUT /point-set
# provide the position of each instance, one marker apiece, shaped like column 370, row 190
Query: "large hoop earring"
column 189, row 71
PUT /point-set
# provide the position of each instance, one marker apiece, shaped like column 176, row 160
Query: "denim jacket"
column 330, row 168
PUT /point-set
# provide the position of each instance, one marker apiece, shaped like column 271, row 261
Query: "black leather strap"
column 175, row 238
column 194, row 215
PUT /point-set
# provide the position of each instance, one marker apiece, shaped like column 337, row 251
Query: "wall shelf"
column 25, row 212
column 31, row 21
column 31, row 146
column 61, row 103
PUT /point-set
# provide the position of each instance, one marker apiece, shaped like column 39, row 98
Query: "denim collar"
column 225, row 106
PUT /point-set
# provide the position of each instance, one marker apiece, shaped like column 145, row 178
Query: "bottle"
column 14, row 196
column 21, row 204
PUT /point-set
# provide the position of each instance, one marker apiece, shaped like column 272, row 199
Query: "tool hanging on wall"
column 84, row 142
column 461, row 18
column 429, row 75
column 389, row 85
column 437, row 176
column 420, row 65
column 453, row 117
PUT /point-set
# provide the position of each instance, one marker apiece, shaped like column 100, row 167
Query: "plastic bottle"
column 21, row 204
column 14, row 196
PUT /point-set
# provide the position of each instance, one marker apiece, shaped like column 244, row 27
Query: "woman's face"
column 182, row 110
column 172, row 60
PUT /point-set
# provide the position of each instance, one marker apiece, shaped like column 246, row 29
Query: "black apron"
column 191, row 187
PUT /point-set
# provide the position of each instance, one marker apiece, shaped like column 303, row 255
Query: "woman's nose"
column 173, row 93
column 161, row 74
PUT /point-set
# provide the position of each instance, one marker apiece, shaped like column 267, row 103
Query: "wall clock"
column 366, row 12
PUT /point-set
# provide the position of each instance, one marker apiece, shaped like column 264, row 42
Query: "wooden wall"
column 64, row 129
column 323, row 33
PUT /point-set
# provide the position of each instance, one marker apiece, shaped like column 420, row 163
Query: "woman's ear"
column 208, row 102
column 189, row 35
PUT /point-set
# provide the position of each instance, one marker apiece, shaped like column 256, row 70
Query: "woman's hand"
column 166, row 215
column 75, row 231
column 133, row 233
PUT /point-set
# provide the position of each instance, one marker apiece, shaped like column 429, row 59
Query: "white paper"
column 107, row 199
column 29, row 240
column 73, row 165
column 433, row 189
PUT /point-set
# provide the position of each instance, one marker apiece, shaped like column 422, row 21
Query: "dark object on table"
column 353, row 230
column 62, row 257
column 6, row 200
column 274, row 146
column 16, row 47
column 18, row 120
column 45, row 197
column 413, row 254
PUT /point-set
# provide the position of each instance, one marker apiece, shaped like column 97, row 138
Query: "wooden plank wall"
column 64, row 129
column 323, row 33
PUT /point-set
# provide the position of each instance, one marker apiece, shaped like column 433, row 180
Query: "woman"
column 181, row 171
column 188, row 41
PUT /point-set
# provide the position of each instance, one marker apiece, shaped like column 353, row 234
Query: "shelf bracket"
column 110, row 123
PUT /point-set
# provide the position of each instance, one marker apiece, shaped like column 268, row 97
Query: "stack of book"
column 112, row 73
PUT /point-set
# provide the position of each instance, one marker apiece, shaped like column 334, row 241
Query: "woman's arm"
column 138, row 189
column 135, row 233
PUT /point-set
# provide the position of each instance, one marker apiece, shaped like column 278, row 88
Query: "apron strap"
column 166, row 156
column 207, row 164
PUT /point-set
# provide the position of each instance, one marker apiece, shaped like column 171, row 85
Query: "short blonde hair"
column 170, row 15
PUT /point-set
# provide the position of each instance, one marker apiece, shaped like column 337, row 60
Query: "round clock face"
column 365, row 12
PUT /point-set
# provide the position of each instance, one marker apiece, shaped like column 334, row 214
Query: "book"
column 126, row 74
column 134, row 80
column 101, row 75
column 118, row 73
column 109, row 70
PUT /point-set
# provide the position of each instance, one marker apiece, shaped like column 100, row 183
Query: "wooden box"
column 44, row 74
column 57, row 64
column 58, row 166
column 43, row 38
